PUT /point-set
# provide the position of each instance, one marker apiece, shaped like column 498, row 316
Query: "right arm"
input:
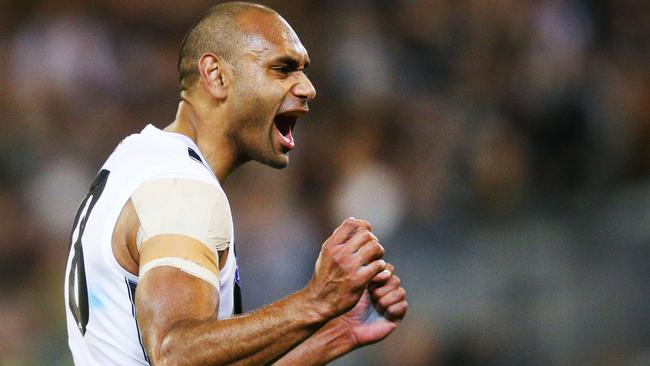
column 176, row 311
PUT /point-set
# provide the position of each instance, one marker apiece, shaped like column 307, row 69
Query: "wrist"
column 318, row 310
column 327, row 344
column 337, row 339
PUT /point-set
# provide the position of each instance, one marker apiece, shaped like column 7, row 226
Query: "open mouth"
column 285, row 123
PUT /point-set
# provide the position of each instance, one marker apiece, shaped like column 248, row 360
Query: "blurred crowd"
column 500, row 148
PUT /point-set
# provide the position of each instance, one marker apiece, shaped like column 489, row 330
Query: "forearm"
column 176, row 310
column 327, row 344
column 256, row 338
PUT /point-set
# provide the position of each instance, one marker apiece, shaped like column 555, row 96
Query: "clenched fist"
column 348, row 260
column 385, row 294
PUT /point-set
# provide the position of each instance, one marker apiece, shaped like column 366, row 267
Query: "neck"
column 210, row 136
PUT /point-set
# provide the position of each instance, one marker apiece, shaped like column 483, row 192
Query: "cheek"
column 254, row 119
column 256, row 98
column 257, row 92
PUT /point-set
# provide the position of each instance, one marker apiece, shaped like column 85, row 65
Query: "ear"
column 215, row 75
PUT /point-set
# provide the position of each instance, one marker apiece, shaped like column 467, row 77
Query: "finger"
column 391, row 284
column 346, row 229
column 381, row 277
column 371, row 251
column 379, row 280
column 391, row 298
column 371, row 270
column 397, row 311
column 364, row 224
column 358, row 239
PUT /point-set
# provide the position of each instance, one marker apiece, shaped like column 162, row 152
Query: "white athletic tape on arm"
column 139, row 237
column 184, row 265
column 186, row 207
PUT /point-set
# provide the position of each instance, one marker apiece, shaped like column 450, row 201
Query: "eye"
column 284, row 69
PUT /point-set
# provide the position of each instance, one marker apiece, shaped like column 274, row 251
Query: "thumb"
column 376, row 331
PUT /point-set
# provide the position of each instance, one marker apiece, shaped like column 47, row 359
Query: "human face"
column 270, row 92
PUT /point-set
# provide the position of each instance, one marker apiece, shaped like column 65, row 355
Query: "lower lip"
column 286, row 141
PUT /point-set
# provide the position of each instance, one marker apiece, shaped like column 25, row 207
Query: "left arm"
column 351, row 330
column 327, row 344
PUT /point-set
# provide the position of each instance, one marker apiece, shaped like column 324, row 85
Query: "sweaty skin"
column 229, row 112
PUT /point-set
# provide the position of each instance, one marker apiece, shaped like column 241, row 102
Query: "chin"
column 276, row 162
column 280, row 164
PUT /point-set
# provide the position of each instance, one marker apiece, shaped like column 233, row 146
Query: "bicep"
column 167, row 297
column 183, row 224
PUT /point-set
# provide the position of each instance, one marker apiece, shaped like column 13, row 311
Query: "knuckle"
column 344, row 226
column 325, row 248
column 396, row 280
column 376, row 254
column 365, row 234
column 349, row 221
column 372, row 267
column 398, row 307
column 393, row 296
column 327, row 253
column 338, row 258
column 378, row 265
column 356, row 282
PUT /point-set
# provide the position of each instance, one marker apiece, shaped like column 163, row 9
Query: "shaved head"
column 219, row 31
column 242, row 73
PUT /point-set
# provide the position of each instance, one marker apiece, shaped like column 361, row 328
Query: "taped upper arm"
column 184, row 206
column 183, row 223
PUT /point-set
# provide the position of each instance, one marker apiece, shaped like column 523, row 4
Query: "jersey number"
column 77, row 290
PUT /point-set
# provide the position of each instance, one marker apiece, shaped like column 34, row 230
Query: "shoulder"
column 184, row 206
column 169, row 188
column 153, row 154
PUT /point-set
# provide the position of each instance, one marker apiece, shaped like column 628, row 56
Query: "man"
column 156, row 217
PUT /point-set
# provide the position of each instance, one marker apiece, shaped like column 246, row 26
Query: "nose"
column 304, row 88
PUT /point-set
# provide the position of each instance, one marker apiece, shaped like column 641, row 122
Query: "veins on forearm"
column 327, row 344
column 260, row 337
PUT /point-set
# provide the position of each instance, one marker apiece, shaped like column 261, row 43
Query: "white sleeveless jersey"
column 99, row 293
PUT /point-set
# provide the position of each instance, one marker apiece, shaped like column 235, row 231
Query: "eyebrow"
column 292, row 62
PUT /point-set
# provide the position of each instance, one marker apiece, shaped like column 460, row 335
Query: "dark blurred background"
column 501, row 149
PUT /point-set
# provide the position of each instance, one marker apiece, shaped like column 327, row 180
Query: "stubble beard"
column 256, row 138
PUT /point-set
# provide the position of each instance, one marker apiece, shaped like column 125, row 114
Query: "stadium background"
column 501, row 148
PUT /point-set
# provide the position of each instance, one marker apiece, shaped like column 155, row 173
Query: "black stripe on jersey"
column 77, row 285
column 238, row 303
column 238, row 309
column 194, row 155
column 131, row 286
